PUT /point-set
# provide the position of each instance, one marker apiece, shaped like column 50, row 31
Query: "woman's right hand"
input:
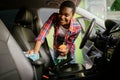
column 36, row 48
column 30, row 51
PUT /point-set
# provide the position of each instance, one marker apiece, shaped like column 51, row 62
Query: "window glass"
column 113, row 9
column 115, row 5
column 96, row 7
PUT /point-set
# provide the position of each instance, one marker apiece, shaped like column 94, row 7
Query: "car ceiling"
column 14, row 4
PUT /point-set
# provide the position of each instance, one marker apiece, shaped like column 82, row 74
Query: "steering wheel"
column 87, row 34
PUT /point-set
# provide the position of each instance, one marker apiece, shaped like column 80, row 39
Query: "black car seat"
column 13, row 64
column 24, row 34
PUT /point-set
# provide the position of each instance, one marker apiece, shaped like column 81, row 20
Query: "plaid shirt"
column 70, row 36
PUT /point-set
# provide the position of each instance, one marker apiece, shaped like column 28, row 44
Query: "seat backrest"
column 13, row 64
column 22, row 31
column 24, row 35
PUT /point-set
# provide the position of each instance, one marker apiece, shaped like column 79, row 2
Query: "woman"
column 66, row 30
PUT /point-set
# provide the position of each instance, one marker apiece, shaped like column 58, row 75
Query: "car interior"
column 20, row 23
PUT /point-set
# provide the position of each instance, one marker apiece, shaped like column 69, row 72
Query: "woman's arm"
column 37, row 46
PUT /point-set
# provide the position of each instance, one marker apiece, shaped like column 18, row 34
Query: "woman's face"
column 65, row 15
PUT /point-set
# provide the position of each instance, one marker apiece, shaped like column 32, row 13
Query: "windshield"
column 104, row 9
column 113, row 9
column 96, row 7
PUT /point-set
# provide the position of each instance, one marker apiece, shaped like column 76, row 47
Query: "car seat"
column 24, row 34
column 13, row 64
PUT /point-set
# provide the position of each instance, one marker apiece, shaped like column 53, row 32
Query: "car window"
column 44, row 13
column 113, row 9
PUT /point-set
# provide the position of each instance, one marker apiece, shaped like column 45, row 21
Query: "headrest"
column 24, row 17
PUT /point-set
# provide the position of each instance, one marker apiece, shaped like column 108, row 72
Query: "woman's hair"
column 68, row 4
